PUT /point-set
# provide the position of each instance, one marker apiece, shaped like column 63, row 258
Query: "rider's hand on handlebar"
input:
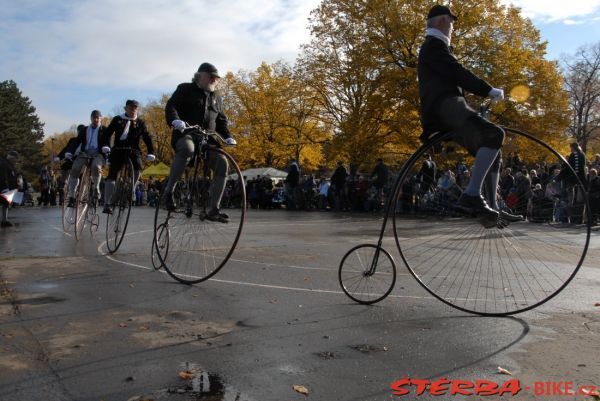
column 68, row 155
column 230, row 142
column 105, row 149
column 150, row 157
column 178, row 125
column 496, row 94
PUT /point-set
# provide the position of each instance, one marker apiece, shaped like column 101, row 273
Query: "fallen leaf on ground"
column 144, row 328
column 131, row 285
column 504, row 371
column 274, row 301
column 185, row 375
column 122, row 324
column 597, row 304
column 300, row 389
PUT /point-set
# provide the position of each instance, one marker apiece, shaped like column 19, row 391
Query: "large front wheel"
column 81, row 202
column 116, row 222
column 495, row 270
column 199, row 247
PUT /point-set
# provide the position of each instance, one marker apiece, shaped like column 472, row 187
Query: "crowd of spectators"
column 541, row 192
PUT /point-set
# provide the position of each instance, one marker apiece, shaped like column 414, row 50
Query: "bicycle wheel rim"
column 117, row 221
column 68, row 213
column 357, row 279
column 81, row 204
column 199, row 248
column 491, row 272
column 160, row 245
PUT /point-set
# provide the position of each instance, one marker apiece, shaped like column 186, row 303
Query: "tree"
column 154, row 116
column 20, row 127
column 582, row 80
column 363, row 56
column 274, row 118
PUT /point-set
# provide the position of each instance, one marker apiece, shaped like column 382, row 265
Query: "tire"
column 116, row 222
column 487, row 271
column 199, row 248
column 367, row 274
column 81, row 202
column 160, row 244
column 69, row 214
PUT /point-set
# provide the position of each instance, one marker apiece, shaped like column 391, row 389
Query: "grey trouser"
column 470, row 130
column 217, row 163
column 80, row 161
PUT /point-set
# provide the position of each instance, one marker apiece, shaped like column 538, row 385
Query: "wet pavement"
column 79, row 324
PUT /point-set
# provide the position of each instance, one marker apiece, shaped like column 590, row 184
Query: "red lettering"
column 439, row 387
column 421, row 385
column 538, row 388
column 461, row 387
column 398, row 386
column 485, row 388
column 569, row 388
column 512, row 386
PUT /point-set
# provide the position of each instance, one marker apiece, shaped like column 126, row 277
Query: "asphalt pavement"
column 79, row 324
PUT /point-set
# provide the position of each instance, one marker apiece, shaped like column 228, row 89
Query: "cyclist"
column 197, row 103
column 128, row 130
column 442, row 83
column 88, row 143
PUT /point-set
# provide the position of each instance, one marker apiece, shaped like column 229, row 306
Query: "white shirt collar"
column 438, row 34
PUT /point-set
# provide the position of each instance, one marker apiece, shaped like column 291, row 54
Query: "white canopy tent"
column 253, row 173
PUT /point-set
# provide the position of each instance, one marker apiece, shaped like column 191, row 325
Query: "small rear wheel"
column 367, row 274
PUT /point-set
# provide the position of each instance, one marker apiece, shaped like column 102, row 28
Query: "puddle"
column 195, row 384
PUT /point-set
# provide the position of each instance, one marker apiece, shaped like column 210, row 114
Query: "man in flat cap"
column 442, row 83
column 197, row 103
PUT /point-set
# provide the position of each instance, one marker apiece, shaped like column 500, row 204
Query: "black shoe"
column 71, row 202
column 476, row 205
column 511, row 218
column 5, row 224
column 107, row 209
column 169, row 201
column 216, row 216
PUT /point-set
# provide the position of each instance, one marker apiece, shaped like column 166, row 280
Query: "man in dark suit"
column 88, row 143
column 128, row 130
column 442, row 83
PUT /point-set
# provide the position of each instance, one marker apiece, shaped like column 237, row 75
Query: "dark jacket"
column 8, row 175
column 81, row 139
column 381, row 173
column 442, row 76
column 293, row 177
column 137, row 130
column 189, row 103
column 338, row 179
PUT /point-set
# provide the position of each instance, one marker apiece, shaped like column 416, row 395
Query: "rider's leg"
column 219, row 166
column 491, row 183
column 97, row 163
column 74, row 175
column 184, row 149
column 109, row 185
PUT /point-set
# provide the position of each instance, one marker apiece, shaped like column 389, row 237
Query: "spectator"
column 594, row 195
column 291, row 184
column 8, row 181
column 44, row 181
column 380, row 177
column 338, row 184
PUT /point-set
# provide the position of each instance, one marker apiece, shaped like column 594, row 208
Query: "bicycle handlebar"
column 198, row 130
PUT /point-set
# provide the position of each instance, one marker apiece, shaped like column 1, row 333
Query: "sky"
column 73, row 56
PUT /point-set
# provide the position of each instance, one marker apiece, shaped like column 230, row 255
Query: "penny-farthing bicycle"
column 189, row 246
column 487, row 271
column 86, row 202
column 122, row 198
